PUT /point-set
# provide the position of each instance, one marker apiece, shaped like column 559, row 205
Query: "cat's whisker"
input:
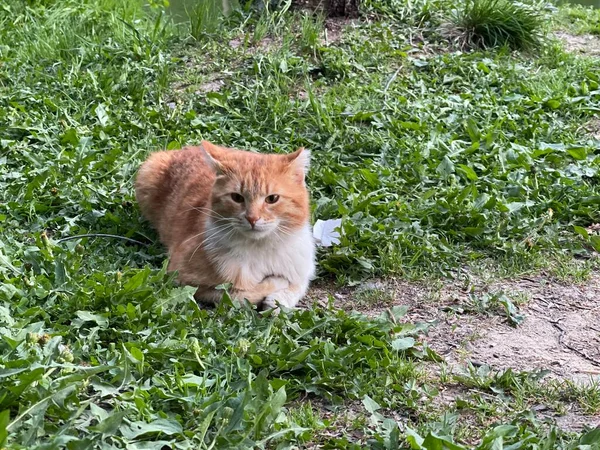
column 212, row 246
column 284, row 230
column 216, row 232
column 217, row 228
column 229, row 230
column 206, row 239
column 209, row 213
column 279, row 237
column 203, row 210
column 195, row 208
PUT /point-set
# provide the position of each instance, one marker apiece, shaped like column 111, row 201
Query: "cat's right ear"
column 299, row 162
column 210, row 150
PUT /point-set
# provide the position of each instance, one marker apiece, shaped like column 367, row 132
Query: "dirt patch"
column 560, row 333
column 250, row 47
column 563, row 342
column 334, row 29
column 210, row 86
column 198, row 88
column 235, row 43
column 593, row 128
column 576, row 422
column 584, row 44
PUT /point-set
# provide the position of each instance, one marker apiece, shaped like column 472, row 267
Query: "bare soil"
column 560, row 333
column 334, row 29
column 593, row 128
column 584, row 44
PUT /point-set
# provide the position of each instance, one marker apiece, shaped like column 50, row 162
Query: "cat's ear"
column 211, row 154
column 299, row 163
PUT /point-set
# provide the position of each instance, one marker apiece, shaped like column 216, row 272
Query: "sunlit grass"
column 433, row 159
column 494, row 23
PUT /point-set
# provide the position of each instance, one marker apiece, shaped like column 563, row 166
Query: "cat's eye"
column 272, row 199
column 238, row 198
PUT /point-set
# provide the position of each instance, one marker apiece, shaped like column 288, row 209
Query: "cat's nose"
column 252, row 220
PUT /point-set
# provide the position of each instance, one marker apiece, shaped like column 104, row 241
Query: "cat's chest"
column 291, row 258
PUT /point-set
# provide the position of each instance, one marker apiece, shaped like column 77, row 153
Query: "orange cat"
column 231, row 216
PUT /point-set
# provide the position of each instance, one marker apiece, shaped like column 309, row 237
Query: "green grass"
column 434, row 160
column 494, row 302
column 494, row 23
column 578, row 19
column 373, row 296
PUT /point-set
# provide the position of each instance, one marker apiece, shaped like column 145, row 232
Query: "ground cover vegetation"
column 436, row 156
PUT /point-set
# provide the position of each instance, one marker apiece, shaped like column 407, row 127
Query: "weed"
column 578, row 19
column 586, row 394
column 205, row 18
column 373, row 296
column 432, row 160
column 311, row 31
column 494, row 23
column 272, row 21
column 493, row 303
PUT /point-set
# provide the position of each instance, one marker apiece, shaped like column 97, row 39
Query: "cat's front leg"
column 257, row 293
column 288, row 297
column 253, row 293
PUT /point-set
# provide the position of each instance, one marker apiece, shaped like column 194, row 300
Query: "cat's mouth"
column 257, row 233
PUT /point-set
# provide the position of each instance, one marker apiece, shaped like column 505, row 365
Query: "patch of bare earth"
column 342, row 420
column 593, row 128
column 584, row 44
column 334, row 29
column 560, row 333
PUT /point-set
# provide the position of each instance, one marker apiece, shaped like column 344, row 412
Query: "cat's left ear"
column 299, row 163
column 211, row 154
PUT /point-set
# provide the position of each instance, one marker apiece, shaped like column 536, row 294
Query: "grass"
column 492, row 302
column 372, row 296
column 578, row 19
column 433, row 160
column 494, row 23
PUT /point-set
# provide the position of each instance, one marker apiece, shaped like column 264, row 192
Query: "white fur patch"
column 287, row 255
column 303, row 160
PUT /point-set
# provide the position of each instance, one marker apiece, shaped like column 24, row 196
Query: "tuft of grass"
column 431, row 162
column 207, row 16
column 311, row 30
column 498, row 23
column 586, row 394
column 578, row 19
column 373, row 296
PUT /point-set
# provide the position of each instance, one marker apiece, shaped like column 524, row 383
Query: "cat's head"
column 259, row 194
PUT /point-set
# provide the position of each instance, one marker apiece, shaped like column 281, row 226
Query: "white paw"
column 279, row 283
column 274, row 303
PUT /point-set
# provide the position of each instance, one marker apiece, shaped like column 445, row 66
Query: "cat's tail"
column 153, row 185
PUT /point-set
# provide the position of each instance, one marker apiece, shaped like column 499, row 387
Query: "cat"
column 232, row 216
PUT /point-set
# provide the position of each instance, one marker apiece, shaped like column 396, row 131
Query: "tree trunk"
column 345, row 8
column 332, row 8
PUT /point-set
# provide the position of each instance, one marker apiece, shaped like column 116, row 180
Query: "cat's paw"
column 278, row 283
column 269, row 303
column 272, row 302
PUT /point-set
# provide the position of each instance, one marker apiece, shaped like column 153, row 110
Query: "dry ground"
column 582, row 44
column 560, row 332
